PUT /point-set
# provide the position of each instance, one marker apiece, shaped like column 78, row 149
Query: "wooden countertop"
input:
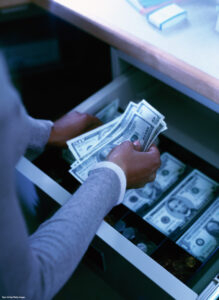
column 189, row 55
column 9, row 3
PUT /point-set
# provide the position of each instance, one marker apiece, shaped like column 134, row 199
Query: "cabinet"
column 193, row 128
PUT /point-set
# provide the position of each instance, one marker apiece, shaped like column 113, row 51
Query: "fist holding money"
column 126, row 141
column 139, row 167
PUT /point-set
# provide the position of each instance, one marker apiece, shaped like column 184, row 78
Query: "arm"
column 60, row 243
column 44, row 132
column 38, row 266
column 42, row 263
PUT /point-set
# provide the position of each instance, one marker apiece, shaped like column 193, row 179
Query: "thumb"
column 137, row 145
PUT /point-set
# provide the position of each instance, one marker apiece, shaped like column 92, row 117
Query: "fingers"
column 87, row 118
column 152, row 157
column 152, row 177
column 88, row 122
column 137, row 145
column 92, row 120
column 153, row 149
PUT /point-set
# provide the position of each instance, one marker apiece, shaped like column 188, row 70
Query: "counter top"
column 187, row 53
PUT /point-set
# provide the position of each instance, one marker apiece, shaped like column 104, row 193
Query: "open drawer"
column 136, row 274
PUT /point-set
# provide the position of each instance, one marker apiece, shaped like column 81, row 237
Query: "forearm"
column 62, row 241
column 56, row 248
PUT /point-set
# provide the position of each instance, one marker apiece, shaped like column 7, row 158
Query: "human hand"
column 139, row 167
column 71, row 125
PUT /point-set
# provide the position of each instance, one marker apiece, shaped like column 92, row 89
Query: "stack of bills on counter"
column 138, row 122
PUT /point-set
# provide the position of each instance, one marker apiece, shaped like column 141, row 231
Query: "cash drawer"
column 166, row 271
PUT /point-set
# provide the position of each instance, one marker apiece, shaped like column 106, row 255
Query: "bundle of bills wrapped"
column 138, row 122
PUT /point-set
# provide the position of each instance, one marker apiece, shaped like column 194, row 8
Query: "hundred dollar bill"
column 179, row 207
column 85, row 144
column 202, row 238
column 137, row 129
column 109, row 112
column 168, row 173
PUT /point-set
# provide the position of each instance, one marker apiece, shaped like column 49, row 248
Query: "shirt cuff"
column 120, row 173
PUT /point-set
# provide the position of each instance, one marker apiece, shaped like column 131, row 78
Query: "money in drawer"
column 162, row 241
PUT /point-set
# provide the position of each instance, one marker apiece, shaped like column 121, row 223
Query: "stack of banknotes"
column 183, row 204
column 142, row 199
column 170, row 207
column 138, row 122
column 202, row 238
column 171, row 203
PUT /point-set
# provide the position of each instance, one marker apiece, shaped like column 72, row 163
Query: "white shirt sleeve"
column 120, row 173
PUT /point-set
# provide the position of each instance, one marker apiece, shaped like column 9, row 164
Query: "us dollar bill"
column 179, row 207
column 109, row 112
column 86, row 144
column 136, row 129
column 160, row 128
column 152, row 115
column 146, row 111
column 82, row 146
column 202, row 238
column 149, row 113
column 169, row 172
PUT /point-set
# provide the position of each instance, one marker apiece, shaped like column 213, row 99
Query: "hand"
column 71, row 125
column 139, row 167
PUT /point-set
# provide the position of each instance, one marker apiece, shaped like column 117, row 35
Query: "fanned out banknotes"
column 183, row 204
column 138, row 122
column 168, row 174
column 202, row 238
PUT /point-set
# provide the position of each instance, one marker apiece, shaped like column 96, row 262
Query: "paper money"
column 179, row 207
column 81, row 145
column 168, row 173
column 85, row 144
column 149, row 113
column 136, row 129
column 160, row 128
column 139, row 122
column 202, row 238
column 152, row 115
column 109, row 112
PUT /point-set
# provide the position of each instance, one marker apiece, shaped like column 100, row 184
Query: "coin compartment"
column 139, row 232
column 176, row 260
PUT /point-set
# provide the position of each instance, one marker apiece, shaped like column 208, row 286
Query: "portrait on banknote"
column 212, row 227
column 180, row 207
